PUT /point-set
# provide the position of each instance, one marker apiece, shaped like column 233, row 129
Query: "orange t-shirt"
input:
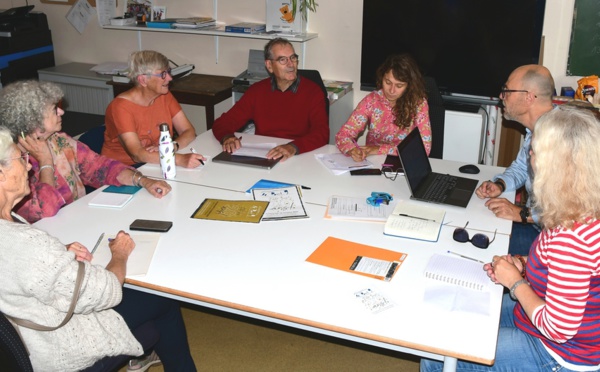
column 123, row 116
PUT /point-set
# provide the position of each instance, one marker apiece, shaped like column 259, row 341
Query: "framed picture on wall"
column 159, row 13
column 140, row 9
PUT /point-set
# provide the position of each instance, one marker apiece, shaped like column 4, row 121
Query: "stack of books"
column 246, row 28
column 337, row 89
column 194, row 22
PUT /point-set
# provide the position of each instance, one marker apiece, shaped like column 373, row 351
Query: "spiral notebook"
column 457, row 271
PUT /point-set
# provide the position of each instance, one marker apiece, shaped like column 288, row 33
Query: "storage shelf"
column 216, row 32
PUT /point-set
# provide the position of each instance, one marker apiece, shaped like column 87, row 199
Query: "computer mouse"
column 469, row 168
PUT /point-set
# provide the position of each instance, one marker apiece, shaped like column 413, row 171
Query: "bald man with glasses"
column 526, row 96
column 284, row 105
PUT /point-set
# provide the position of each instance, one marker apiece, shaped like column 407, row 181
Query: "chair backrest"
column 315, row 76
column 94, row 138
column 437, row 114
column 13, row 354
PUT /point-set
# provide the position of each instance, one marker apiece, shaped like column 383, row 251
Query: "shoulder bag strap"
column 38, row 327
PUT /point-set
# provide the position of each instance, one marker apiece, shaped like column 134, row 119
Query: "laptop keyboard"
column 438, row 189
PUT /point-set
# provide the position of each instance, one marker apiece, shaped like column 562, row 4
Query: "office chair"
column 94, row 138
column 13, row 354
column 315, row 76
column 437, row 114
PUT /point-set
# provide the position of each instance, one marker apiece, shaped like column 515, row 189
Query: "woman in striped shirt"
column 553, row 324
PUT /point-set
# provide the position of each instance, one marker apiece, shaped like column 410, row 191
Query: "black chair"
column 94, row 138
column 437, row 114
column 13, row 354
column 315, row 76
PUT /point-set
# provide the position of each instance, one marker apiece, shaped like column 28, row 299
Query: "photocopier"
column 25, row 44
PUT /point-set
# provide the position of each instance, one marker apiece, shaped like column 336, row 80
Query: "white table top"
column 305, row 169
column 260, row 270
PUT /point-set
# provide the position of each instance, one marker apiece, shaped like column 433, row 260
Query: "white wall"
column 335, row 53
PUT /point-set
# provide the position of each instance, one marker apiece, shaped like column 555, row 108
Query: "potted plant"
column 304, row 6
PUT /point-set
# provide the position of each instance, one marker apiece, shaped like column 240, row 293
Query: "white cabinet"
column 464, row 135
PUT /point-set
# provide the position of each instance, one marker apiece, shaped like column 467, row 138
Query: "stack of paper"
column 284, row 203
column 339, row 163
column 194, row 22
column 352, row 208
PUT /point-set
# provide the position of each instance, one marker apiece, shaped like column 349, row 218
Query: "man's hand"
column 282, row 151
column 231, row 144
column 488, row 189
column 502, row 208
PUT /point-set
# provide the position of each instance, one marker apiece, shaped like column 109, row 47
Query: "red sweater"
column 299, row 116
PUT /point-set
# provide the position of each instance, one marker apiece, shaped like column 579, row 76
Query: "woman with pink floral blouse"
column 389, row 113
column 61, row 165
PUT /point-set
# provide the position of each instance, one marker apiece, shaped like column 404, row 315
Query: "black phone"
column 366, row 172
column 151, row 225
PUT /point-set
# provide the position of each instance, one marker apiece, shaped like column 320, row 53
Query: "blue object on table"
column 377, row 198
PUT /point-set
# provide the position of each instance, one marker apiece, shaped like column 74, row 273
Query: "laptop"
column 256, row 69
column 429, row 186
column 249, row 161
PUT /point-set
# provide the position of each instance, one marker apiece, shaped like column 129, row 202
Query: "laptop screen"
column 414, row 159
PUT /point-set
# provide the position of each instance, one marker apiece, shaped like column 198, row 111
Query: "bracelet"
column 133, row 177
column 511, row 293
column 137, row 182
column 46, row 166
column 523, row 263
column 500, row 184
column 175, row 143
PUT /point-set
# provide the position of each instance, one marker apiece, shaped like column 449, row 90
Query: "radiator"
column 84, row 90
column 90, row 100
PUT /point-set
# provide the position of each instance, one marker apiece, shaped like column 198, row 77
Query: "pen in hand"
column 194, row 152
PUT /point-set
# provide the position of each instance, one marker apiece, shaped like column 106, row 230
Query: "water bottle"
column 166, row 152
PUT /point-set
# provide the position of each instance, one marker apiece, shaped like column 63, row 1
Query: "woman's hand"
column 191, row 160
column 122, row 245
column 38, row 149
column 360, row 153
column 157, row 188
column 504, row 270
column 81, row 252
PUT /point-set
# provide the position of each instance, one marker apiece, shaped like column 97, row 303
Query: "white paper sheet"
column 140, row 259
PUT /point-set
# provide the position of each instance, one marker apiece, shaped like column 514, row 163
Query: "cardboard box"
column 280, row 18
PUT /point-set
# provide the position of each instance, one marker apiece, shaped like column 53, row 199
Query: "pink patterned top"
column 75, row 165
column 376, row 111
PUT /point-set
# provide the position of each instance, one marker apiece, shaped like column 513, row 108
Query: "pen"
column 387, row 165
column 305, row 187
column 467, row 257
column 418, row 218
column 98, row 243
column 194, row 152
column 355, row 143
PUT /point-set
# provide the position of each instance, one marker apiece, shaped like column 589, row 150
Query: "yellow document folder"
column 357, row 258
column 231, row 210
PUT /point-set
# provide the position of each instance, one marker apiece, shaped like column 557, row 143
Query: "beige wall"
column 335, row 53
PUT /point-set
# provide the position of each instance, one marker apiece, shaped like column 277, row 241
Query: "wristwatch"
column 524, row 214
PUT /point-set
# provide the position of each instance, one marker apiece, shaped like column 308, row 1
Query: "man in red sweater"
column 283, row 105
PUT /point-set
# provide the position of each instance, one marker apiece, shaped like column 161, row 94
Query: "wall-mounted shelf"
column 217, row 32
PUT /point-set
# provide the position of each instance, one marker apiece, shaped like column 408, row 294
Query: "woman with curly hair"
column 61, row 165
column 390, row 113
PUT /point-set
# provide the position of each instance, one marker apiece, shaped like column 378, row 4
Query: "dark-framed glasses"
column 504, row 91
column 482, row 241
column 24, row 156
column 284, row 60
column 162, row 75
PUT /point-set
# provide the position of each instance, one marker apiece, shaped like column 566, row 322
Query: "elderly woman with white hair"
column 61, row 165
column 105, row 323
column 134, row 116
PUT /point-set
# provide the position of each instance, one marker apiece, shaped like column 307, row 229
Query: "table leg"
column 210, row 116
column 449, row 364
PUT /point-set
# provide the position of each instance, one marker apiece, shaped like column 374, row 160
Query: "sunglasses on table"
column 482, row 241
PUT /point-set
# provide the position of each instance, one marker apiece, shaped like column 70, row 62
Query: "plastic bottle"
column 166, row 152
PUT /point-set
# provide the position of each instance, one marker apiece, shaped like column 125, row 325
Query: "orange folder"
column 342, row 254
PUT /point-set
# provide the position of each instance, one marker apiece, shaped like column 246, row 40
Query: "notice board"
column 584, row 50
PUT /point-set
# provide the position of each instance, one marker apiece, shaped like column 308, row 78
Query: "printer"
column 256, row 69
column 25, row 44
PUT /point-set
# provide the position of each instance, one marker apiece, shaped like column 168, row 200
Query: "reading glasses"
column 389, row 173
column 504, row 91
column 482, row 241
column 23, row 156
column 284, row 60
column 163, row 74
